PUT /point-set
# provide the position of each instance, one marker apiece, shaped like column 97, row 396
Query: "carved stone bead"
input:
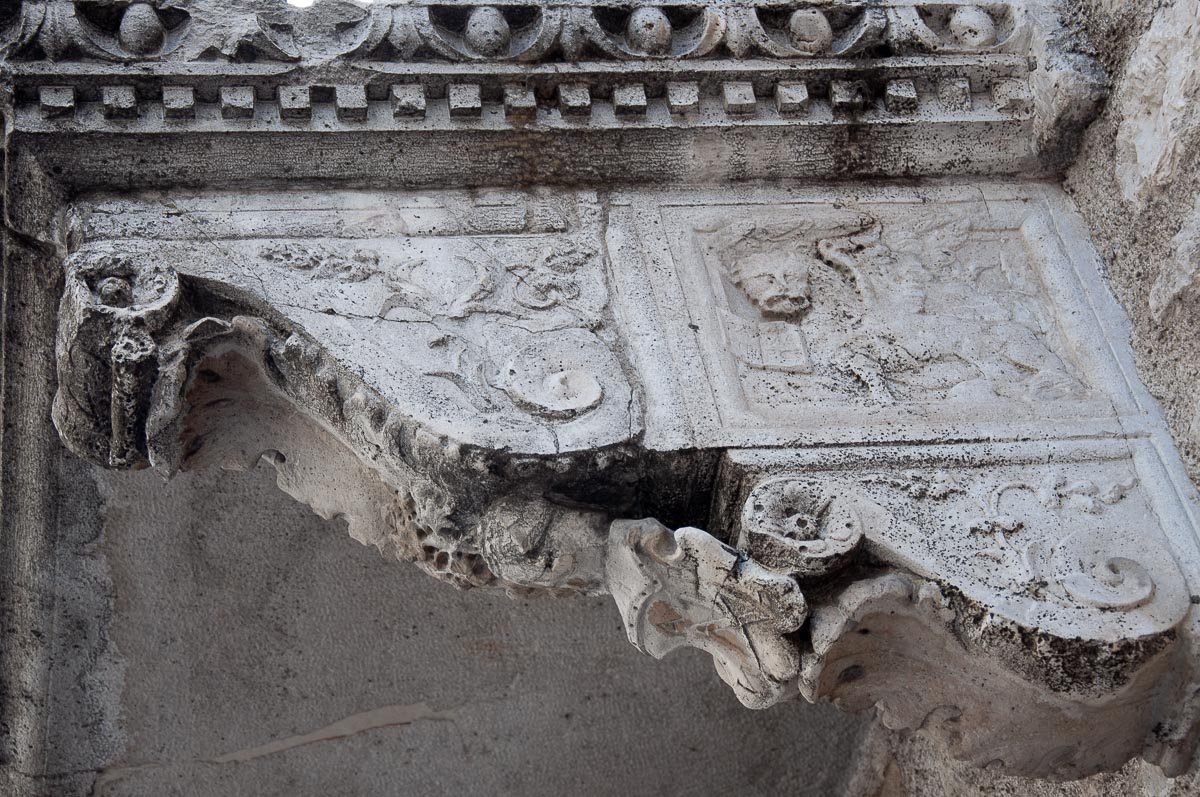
column 809, row 31
column 487, row 31
column 649, row 31
column 972, row 26
column 141, row 30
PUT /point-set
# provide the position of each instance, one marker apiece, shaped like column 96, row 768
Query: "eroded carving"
column 685, row 587
column 850, row 305
column 803, row 528
column 272, row 29
column 859, row 635
column 452, row 375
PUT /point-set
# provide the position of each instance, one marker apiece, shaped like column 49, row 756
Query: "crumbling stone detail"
column 935, row 485
column 472, row 382
column 522, row 32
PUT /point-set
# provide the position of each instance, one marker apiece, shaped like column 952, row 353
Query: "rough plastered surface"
column 908, row 766
column 267, row 653
column 1137, row 184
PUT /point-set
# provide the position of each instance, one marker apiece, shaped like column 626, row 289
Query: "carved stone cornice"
column 508, row 30
column 967, row 514
column 876, row 444
column 843, row 88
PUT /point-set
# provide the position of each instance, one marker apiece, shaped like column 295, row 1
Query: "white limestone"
column 1158, row 101
column 895, row 426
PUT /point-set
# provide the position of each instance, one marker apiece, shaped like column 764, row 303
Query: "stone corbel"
column 989, row 606
column 147, row 379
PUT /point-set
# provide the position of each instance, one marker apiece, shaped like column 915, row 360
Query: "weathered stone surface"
column 504, row 427
column 1157, row 103
column 886, row 437
column 1144, row 239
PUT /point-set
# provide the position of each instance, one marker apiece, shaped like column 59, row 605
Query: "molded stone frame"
column 489, row 283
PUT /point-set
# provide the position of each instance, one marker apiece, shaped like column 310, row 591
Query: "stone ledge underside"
column 913, row 403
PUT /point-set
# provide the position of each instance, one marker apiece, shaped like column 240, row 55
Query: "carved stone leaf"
column 240, row 30
column 21, row 30
column 686, row 588
column 57, row 28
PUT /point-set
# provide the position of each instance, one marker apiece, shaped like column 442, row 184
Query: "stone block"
column 295, row 102
column 179, row 102
column 465, row 100
column 629, row 99
column 954, row 94
column 119, row 102
column 57, row 101
column 408, row 100
column 738, row 98
column 849, row 96
column 791, row 97
column 1012, row 96
column 351, row 102
column 900, row 96
column 519, row 102
column 237, row 102
column 574, row 99
column 683, row 97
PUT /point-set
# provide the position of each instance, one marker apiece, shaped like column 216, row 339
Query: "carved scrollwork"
column 553, row 377
column 242, row 30
column 686, row 588
column 803, row 527
column 1096, row 577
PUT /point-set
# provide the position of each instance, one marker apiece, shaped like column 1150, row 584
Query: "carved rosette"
column 803, row 527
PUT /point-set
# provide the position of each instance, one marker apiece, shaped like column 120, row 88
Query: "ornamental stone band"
column 772, row 321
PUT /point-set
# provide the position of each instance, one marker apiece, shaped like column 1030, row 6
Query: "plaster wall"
column 255, row 649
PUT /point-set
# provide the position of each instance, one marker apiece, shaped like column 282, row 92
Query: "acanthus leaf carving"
column 685, row 587
column 242, row 30
column 62, row 29
column 858, row 573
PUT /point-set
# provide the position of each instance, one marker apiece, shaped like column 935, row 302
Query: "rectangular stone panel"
column 848, row 316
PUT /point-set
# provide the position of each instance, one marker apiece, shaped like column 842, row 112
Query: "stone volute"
column 768, row 320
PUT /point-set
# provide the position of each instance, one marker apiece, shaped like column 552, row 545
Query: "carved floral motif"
column 688, row 588
column 802, row 527
column 321, row 261
column 388, row 30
